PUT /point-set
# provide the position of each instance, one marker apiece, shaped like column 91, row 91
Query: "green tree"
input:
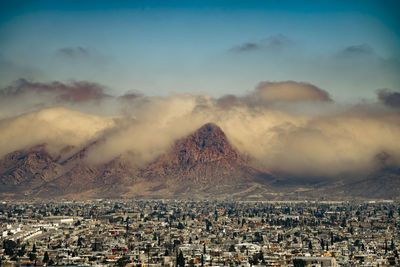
column 21, row 252
column 299, row 263
column 32, row 256
column 46, row 257
column 180, row 261
column 9, row 247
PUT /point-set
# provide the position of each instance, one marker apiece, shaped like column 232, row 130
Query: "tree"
column 9, row 247
column 180, row 261
column 32, row 256
column 299, row 263
column 46, row 257
column 21, row 252
column 258, row 258
column 386, row 247
column 123, row 261
column 80, row 240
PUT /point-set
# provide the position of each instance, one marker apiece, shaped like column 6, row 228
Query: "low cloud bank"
column 336, row 142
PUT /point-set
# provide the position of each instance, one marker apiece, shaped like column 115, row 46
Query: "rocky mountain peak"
column 209, row 143
column 203, row 156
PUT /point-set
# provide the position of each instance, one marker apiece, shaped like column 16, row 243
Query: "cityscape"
column 199, row 233
column 191, row 133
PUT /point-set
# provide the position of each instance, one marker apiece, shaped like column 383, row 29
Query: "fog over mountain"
column 286, row 127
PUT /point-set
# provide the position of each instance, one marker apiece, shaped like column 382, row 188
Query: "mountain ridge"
column 202, row 164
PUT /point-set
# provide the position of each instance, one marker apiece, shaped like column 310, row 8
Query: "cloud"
column 344, row 142
column 290, row 91
column 389, row 98
column 246, row 47
column 56, row 127
column 130, row 96
column 277, row 42
column 273, row 94
column 73, row 92
column 270, row 93
column 156, row 124
column 357, row 51
column 74, row 52
column 271, row 43
column 228, row 101
column 332, row 142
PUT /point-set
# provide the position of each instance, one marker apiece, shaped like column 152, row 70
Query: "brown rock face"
column 204, row 157
column 28, row 168
column 80, row 177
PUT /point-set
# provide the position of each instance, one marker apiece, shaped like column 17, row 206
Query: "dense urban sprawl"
column 199, row 233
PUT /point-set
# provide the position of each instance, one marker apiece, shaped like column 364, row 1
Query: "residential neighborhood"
column 199, row 233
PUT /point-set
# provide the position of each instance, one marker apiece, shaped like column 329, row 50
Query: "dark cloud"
column 357, row 51
column 227, row 101
column 246, row 47
column 74, row 92
column 130, row 95
column 74, row 52
column 278, row 41
column 273, row 42
column 389, row 98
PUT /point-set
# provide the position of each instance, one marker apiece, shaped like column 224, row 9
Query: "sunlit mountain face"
column 247, row 99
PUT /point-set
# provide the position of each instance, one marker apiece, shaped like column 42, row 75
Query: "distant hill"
column 203, row 164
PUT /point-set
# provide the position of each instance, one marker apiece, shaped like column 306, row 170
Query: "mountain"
column 82, row 179
column 203, row 164
column 204, row 161
column 381, row 184
column 24, row 169
column 203, row 157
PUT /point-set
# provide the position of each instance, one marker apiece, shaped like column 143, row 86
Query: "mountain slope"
column 384, row 184
column 27, row 168
column 201, row 165
column 203, row 160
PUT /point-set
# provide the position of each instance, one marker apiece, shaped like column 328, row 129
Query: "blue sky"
column 348, row 48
